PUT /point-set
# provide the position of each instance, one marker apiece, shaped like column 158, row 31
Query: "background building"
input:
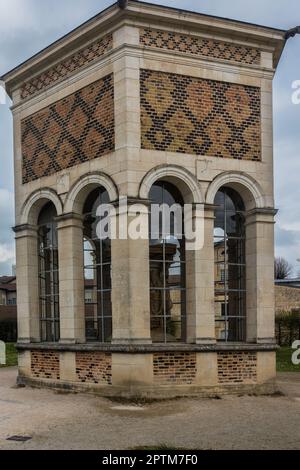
column 8, row 308
column 287, row 294
column 159, row 105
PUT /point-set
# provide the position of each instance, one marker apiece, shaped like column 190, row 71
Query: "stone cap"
column 148, row 348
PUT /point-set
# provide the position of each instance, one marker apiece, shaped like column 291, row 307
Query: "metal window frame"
column 101, row 317
column 48, row 282
column 240, row 262
column 165, row 288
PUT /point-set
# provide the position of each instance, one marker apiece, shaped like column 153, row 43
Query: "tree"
column 282, row 269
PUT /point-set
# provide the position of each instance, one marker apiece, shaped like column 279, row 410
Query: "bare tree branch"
column 282, row 268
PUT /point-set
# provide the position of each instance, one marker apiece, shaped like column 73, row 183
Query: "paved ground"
column 67, row 421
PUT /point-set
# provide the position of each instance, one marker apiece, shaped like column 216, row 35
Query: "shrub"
column 8, row 331
column 288, row 327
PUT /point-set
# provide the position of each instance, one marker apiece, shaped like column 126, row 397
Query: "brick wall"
column 73, row 130
column 68, row 66
column 45, row 365
column 197, row 116
column 237, row 367
column 174, row 368
column 202, row 47
column 94, row 367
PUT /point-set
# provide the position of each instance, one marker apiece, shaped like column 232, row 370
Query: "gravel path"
column 70, row 421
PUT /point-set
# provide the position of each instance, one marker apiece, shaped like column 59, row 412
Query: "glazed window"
column 48, row 274
column 230, row 267
column 97, row 272
column 167, row 271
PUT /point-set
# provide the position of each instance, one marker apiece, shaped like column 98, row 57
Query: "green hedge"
column 288, row 327
column 8, row 331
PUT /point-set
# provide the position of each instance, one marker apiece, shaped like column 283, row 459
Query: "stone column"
column 260, row 276
column 27, row 284
column 200, row 286
column 71, row 278
column 130, row 279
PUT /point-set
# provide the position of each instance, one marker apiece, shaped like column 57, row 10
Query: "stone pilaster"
column 130, row 278
column 27, row 283
column 127, row 96
column 71, row 278
column 200, row 286
column 260, row 276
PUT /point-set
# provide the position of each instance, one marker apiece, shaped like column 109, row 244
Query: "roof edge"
column 134, row 8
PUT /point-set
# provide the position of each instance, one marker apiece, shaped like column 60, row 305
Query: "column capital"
column 25, row 230
column 261, row 215
column 209, row 211
column 263, row 211
column 210, row 207
column 69, row 216
column 132, row 201
column 69, row 220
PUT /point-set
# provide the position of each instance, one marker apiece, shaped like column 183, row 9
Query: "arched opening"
column 230, row 266
column 48, row 269
column 97, row 271
column 167, row 265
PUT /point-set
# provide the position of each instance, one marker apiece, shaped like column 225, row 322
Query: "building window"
column 97, row 272
column 167, row 269
column 48, row 274
column 12, row 301
column 230, row 267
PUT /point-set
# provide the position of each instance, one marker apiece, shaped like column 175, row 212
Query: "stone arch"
column 33, row 205
column 81, row 189
column 250, row 191
column 185, row 181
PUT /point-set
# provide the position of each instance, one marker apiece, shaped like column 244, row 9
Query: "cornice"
column 107, row 20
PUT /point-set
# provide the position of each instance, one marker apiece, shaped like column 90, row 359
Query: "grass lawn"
column 11, row 355
column 284, row 361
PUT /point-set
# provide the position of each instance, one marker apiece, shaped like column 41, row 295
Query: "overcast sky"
column 26, row 26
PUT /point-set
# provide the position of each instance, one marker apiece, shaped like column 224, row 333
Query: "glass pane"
column 221, row 330
column 97, row 272
column 230, row 270
column 219, row 221
column 236, row 329
column 236, row 304
column 156, row 250
column 157, row 329
column 236, row 277
column 221, row 305
column 167, row 269
column 236, row 251
column 105, row 330
column 173, row 327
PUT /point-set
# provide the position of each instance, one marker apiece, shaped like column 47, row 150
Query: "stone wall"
column 73, row 130
column 286, row 298
column 197, row 116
